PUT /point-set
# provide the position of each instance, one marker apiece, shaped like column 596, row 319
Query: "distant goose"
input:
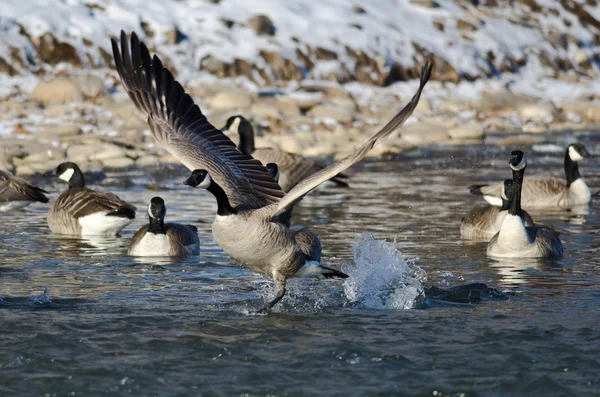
column 515, row 240
column 293, row 167
column 548, row 192
column 482, row 223
column 16, row 193
column 82, row 211
column 309, row 242
column 158, row 238
column 250, row 204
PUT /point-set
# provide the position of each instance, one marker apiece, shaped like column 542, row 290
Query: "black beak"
column 50, row 173
column 190, row 182
column 587, row 154
column 514, row 161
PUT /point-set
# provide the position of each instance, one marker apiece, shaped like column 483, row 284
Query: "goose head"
column 238, row 124
column 577, row 152
column 199, row 178
column 517, row 160
column 273, row 171
column 233, row 123
column 68, row 172
column 157, row 209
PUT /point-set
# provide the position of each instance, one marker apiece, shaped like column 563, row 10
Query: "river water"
column 80, row 318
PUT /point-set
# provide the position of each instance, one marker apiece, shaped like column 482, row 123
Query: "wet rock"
column 470, row 130
column 121, row 162
column 534, row 112
column 262, row 25
column 91, row 86
column 147, row 161
column 532, row 128
column 231, row 100
column 336, row 113
column 56, row 91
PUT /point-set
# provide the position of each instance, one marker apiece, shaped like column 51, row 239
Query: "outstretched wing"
column 180, row 127
column 311, row 182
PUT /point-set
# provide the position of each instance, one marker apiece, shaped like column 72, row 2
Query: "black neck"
column 76, row 179
column 571, row 169
column 505, row 204
column 224, row 208
column 246, row 144
column 515, row 204
column 157, row 226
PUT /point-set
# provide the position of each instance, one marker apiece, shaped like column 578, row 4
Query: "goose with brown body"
column 248, row 225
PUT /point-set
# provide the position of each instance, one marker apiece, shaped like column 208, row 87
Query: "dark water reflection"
column 113, row 325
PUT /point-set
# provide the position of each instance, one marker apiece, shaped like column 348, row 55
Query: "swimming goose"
column 16, row 193
column 548, row 192
column 83, row 211
column 515, row 240
column 250, row 204
column 158, row 238
column 293, row 167
column 482, row 223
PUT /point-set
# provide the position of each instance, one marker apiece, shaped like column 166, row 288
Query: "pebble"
column 117, row 162
column 534, row 112
column 425, row 132
column 519, row 140
column 336, row 113
column 147, row 161
column 56, row 91
column 306, row 100
column 266, row 109
column 469, row 130
column 53, row 131
column 231, row 100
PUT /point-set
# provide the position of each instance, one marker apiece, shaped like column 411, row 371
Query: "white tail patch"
column 99, row 224
column 309, row 269
column 493, row 200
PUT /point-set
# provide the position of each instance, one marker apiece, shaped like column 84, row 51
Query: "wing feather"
column 311, row 182
column 179, row 126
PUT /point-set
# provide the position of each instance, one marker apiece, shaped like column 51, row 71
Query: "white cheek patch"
column 574, row 154
column 235, row 125
column 150, row 211
column 67, row 175
column 519, row 166
column 206, row 182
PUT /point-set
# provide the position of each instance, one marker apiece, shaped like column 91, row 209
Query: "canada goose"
column 548, row 192
column 250, row 204
column 16, row 193
column 482, row 223
column 515, row 240
column 309, row 242
column 82, row 211
column 293, row 167
column 158, row 238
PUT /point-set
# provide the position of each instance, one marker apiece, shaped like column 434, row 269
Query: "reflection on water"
column 110, row 324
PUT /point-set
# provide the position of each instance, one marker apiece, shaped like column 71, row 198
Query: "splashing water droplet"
column 381, row 278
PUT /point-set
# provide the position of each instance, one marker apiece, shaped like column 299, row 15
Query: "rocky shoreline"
column 84, row 119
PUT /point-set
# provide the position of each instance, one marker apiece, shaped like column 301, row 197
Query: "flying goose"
column 482, row 223
column 16, row 193
column 309, row 242
column 293, row 167
column 250, row 204
column 548, row 192
column 82, row 211
column 158, row 238
column 515, row 239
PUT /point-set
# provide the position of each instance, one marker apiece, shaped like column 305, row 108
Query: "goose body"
column 252, row 220
column 293, row 167
column 548, row 192
column 87, row 212
column 164, row 239
column 483, row 222
column 16, row 193
column 515, row 239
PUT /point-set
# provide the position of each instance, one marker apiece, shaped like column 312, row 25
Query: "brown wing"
column 80, row 202
column 13, row 188
column 180, row 127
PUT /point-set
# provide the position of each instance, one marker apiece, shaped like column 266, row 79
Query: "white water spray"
column 381, row 278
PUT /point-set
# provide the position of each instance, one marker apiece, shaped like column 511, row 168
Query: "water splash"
column 381, row 278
